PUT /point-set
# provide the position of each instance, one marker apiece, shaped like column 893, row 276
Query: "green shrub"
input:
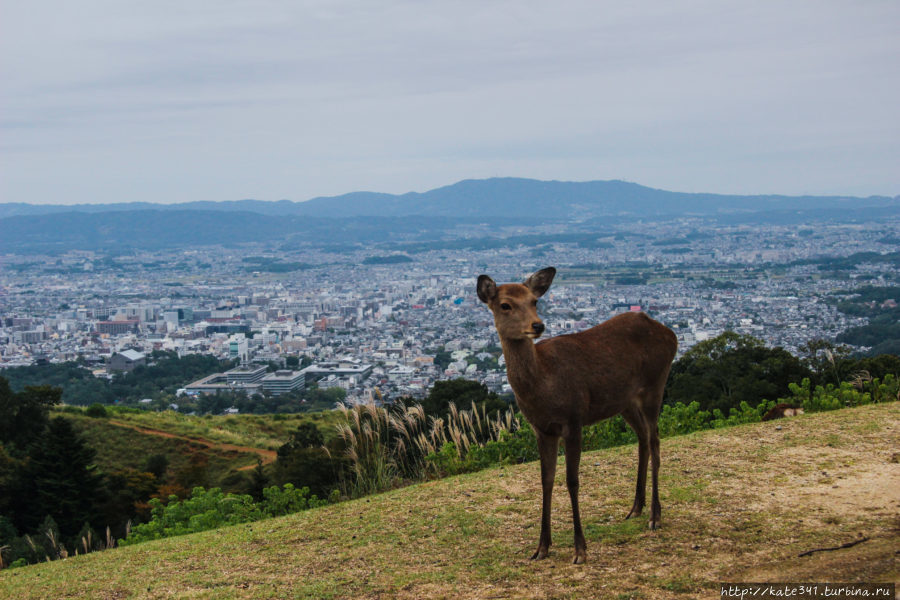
column 828, row 397
column 211, row 509
column 511, row 447
column 607, row 433
column 678, row 419
column 447, row 460
column 743, row 414
column 96, row 410
column 278, row 501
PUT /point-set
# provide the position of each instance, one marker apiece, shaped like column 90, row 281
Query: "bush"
column 606, row 434
column 743, row 414
column 828, row 397
column 211, row 509
column 510, row 448
column 678, row 419
column 97, row 411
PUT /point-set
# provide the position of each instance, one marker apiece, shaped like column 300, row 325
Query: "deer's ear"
column 539, row 282
column 487, row 289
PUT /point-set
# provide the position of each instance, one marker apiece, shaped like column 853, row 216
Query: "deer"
column 566, row 382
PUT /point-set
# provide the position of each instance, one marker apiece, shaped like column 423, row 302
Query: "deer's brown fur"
column 569, row 381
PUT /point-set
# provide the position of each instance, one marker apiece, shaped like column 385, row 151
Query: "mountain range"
column 360, row 216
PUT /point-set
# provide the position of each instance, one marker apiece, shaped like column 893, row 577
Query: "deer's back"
column 613, row 361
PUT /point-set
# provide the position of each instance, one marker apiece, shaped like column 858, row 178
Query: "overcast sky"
column 173, row 101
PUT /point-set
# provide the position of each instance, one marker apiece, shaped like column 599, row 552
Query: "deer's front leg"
column 573, row 459
column 548, row 447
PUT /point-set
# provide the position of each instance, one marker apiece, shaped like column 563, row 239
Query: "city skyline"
column 413, row 322
column 174, row 103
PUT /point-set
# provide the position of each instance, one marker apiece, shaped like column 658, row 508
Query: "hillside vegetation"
column 236, row 442
column 739, row 504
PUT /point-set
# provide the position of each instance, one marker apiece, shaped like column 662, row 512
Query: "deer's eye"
column 505, row 306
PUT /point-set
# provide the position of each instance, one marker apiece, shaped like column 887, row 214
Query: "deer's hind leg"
column 655, row 507
column 638, row 423
column 651, row 410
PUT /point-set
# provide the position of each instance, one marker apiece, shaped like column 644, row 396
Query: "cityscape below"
column 384, row 324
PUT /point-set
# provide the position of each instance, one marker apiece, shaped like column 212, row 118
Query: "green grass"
column 726, row 517
column 256, row 431
column 121, row 447
column 126, row 438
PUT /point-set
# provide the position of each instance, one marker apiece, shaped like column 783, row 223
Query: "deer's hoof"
column 635, row 512
column 580, row 557
column 654, row 525
column 541, row 554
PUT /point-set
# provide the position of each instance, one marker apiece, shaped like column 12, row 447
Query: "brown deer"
column 569, row 381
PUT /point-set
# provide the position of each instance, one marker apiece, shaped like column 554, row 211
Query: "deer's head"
column 515, row 304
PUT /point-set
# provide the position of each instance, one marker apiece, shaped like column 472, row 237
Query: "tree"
column 259, row 481
column 157, row 464
column 307, row 435
column 130, row 490
column 23, row 416
column 8, row 469
column 97, row 411
column 731, row 368
column 829, row 363
column 196, row 473
column 58, row 479
column 877, row 366
column 442, row 359
column 303, row 461
column 461, row 392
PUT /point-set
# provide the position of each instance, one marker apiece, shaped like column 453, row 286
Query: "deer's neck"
column 522, row 367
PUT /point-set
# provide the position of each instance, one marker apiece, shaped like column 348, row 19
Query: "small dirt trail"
column 267, row 456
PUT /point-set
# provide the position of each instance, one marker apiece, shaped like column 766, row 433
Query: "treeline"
column 847, row 263
column 162, row 378
column 310, row 399
column 881, row 305
column 160, row 381
column 54, row 502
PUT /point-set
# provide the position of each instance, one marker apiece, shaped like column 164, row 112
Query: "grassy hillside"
column 266, row 432
column 739, row 504
column 127, row 438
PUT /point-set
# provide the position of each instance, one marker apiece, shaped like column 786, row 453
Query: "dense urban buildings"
column 381, row 328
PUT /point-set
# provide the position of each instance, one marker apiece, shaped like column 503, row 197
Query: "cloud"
column 180, row 101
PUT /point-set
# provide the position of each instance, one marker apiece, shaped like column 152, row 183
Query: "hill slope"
column 738, row 505
column 234, row 442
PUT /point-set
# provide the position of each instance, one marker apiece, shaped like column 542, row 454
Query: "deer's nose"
column 538, row 327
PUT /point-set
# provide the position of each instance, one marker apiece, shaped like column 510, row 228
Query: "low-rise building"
column 126, row 360
column 283, row 381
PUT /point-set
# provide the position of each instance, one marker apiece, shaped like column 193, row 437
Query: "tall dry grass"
column 388, row 445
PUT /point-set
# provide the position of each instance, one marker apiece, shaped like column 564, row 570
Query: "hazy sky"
column 172, row 101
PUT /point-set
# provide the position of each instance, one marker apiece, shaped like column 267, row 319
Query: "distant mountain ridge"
column 497, row 198
column 373, row 218
column 501, row 197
